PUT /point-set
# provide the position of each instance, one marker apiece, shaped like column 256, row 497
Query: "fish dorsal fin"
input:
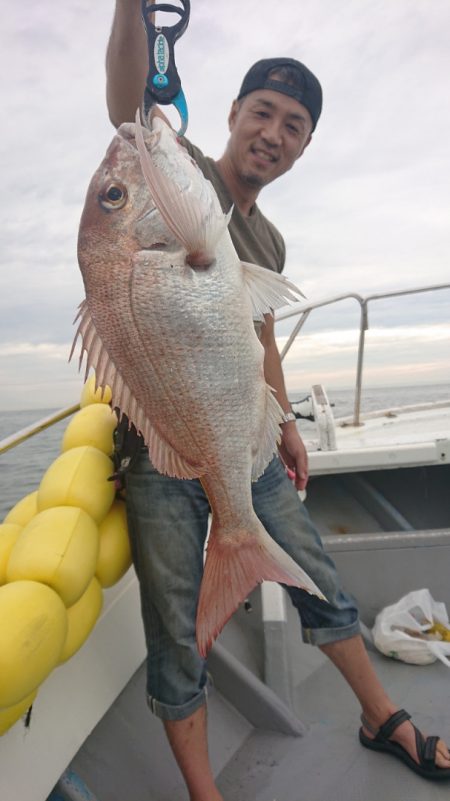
column 163, row 456
column 269, row 437
column 268, row 290
column 106, row 373
column 192, row 212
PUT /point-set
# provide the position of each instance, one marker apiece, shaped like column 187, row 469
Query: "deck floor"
column 328, row 763
column 127, row 758
column 127, row 755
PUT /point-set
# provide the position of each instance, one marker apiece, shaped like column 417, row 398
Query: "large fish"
column 168, row 324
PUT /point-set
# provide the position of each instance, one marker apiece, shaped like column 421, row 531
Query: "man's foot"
column 428, row 756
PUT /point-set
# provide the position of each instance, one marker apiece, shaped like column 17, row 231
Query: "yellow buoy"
column 58, row 547
column 114, row 557
column 32, row 634
column 23, row 511
column 91, row 395
column 8, row 536
column 94, row 425
column 82, row 618
column 12, row 714
column 79, row 477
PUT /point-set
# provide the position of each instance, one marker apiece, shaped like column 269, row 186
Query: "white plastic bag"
column 400, row 630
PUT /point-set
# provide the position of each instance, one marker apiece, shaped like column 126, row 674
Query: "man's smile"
column 263, row 154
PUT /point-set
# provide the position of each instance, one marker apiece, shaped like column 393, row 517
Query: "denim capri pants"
column 168, row 523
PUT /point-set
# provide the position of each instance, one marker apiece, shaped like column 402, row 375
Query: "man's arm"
column 292, row 449
column 126, row 62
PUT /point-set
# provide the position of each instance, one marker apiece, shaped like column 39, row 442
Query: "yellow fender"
column 23, row 511
column 93, row 425
column 12, row 714
column 82, row 617
column 114, row 556
column 91, row 395
column 9, row 533
column 49, row 551
column 32, row 635
column 59, row 547
column 79, row 477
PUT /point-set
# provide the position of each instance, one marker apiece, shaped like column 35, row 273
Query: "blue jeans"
column 168, row 520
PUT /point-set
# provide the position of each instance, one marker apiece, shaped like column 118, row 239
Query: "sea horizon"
column 291, row 392
column 22, row 467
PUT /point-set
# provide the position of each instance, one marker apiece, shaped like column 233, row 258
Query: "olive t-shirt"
column 255, row 238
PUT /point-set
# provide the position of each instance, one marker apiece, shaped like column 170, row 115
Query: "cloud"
column 38, row 376
column 47, row 349
column 366, row 208
column 404, row 354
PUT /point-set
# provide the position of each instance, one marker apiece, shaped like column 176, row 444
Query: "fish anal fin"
column 269, row 436
column 235, row 564
column 166, row 459
column 268, row 290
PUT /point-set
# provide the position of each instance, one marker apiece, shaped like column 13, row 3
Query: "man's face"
column 269, row 131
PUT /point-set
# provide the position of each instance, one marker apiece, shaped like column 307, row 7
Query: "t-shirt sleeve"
column 193, row 150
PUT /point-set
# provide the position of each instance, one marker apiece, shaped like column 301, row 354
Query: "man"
column 271, row 123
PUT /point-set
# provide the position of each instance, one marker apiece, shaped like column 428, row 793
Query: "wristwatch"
column 289, row 417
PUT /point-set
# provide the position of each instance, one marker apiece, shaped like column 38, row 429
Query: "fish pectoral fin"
column 269, row 436
column 197, row 222
column 167, row 460
column 235, row 564
column 268, row 290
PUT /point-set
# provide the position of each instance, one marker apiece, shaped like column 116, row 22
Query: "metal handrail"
column 305, row 309
column 36, row 428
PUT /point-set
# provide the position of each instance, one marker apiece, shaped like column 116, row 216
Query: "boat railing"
column 35, row 428
column 303, row 310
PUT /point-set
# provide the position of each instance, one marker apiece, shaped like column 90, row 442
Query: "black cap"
column 307, row 91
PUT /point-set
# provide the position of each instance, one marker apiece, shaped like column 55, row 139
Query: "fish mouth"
column 126, row 131
column 161, row 247
column 154, row 241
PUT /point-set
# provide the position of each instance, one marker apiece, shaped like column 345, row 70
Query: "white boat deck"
column 396, row 437
column 391, row 438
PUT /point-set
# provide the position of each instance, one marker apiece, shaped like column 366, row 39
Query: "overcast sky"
column 366, row 209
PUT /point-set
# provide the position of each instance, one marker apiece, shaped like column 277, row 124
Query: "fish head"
column 120, row 218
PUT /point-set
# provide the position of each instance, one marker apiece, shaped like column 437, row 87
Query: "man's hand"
column 293, row 454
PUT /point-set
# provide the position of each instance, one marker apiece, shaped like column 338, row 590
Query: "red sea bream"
column 168, row 324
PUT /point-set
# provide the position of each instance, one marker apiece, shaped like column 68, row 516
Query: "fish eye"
column 113, row 197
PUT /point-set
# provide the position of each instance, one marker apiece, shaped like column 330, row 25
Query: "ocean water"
column 22, row 467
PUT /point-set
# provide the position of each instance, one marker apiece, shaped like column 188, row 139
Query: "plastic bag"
column 411, row 630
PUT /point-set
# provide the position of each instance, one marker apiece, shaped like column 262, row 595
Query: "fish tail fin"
column 234, row 566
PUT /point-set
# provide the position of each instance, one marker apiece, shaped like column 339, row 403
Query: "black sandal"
column 426, row 748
